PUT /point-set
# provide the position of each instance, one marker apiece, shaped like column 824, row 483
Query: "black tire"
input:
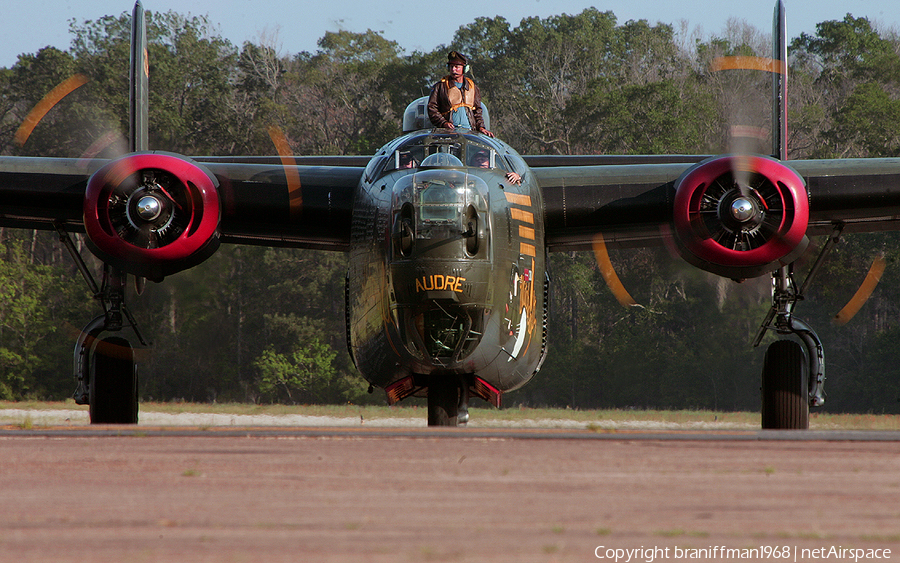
column 785, row 387
column 443, row 404
column 113, row 382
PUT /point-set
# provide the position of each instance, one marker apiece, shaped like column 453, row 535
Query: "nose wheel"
column 448, row 402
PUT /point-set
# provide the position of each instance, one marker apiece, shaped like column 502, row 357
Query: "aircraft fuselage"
column 447, row 274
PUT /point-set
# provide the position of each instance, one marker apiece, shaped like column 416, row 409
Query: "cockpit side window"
column 406, row 157
column 481, row 156
column 373, row 169
column 517, row 164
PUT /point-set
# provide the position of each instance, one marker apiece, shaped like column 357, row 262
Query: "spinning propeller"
column 608, row 271
column 742, row 215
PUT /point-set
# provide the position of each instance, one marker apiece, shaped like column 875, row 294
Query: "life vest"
column 460, row 98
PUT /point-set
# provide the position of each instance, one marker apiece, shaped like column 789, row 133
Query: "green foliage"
column 652, row 118
column 868, row 121
column 296, row 376
column 190, row 91
column 657, row 354
column 334, row 102
column 845, row 48
column 856, row 72
column 34, row 305
column 72, row 124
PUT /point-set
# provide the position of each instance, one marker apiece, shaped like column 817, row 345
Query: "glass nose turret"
column 440, row 271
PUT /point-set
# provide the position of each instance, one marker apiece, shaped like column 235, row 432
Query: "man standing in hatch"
column 455, row 101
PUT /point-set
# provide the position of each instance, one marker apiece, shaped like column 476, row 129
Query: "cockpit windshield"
column 482, row 158
column 442, row 205
column 467, row 150
column 441, row 160
column 441, row 197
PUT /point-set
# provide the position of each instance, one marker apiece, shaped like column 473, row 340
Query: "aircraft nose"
column 444, row 332
column 440, row 310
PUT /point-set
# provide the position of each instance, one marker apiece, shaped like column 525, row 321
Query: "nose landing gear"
column 448, row 402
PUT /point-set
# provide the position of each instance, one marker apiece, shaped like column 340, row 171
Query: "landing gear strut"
column 448, row 402
column 105, row 366
column 793, row 377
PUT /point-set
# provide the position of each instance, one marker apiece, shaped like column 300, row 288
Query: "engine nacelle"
column 741, row 216
column 152, row 214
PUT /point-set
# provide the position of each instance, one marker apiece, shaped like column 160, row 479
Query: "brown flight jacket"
column 445, row 96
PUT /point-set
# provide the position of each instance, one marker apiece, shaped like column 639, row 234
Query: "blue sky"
column 28, row 25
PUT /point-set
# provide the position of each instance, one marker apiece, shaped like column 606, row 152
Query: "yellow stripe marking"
column 526, row 232
column 518, row 199
column 521, row 215
column 526, row 249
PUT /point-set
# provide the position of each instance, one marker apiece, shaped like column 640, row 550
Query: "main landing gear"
column 105, row 362
column 793, row 376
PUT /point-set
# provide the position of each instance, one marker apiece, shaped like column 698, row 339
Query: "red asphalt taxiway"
column 112, row 494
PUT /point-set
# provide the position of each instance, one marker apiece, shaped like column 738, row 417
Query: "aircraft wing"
column 862, row 193
column 259, row 204
column 627, row 203
column 38, row 191
column 636, row 204
column 260, row 208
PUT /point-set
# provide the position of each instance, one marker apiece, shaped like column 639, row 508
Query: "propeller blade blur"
column 52, row 98
column 764, row 64
column 291, row 175
column 862, row 294
column 609, row 273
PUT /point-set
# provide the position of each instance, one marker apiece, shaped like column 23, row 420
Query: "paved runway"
column 506, row 433
column 283, row 494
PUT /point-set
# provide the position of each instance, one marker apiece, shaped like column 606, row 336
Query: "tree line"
column 265, row 325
